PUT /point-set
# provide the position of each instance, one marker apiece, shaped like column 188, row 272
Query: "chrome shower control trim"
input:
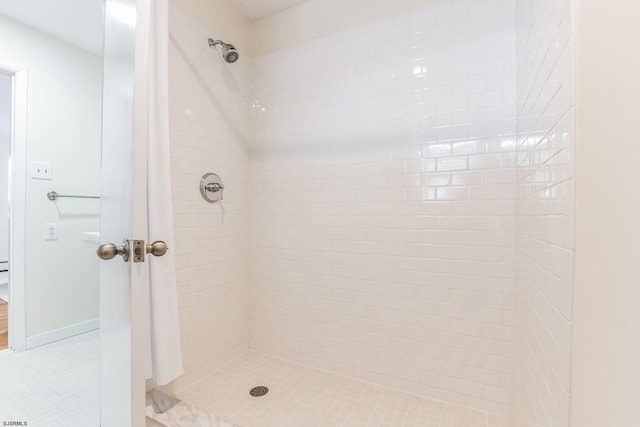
column 211, row 187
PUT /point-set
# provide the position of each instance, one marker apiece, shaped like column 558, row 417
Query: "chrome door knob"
column 157, row 248
column 108, row 251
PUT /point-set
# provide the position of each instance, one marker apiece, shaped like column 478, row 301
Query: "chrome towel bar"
column 52, row 195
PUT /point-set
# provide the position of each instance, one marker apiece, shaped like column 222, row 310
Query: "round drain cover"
column 258, row 391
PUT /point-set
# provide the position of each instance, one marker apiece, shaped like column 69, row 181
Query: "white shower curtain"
column 164, row 326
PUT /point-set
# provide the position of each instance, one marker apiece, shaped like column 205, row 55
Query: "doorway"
column 120, row 381
column 6, row 96
column 58, row 294
column 53, row 134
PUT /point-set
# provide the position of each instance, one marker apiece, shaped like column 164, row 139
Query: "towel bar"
column 52, row 195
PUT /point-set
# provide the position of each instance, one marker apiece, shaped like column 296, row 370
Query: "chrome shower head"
column 229, row 51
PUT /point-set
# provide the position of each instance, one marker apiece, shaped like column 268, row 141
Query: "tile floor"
column 302, row 396
column 53, row 385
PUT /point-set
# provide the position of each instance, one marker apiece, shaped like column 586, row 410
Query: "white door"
column 123, row 215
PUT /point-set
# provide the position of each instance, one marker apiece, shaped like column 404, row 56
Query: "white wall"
column 292, row 26
column 64, row 116
column 316, row 19
column 221, row 17
column 382, row 194
column 208, row 107
column 6, row 90
column 605, row 370
column 545, row 210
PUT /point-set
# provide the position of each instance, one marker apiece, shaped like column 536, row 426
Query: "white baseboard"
column 62, row 333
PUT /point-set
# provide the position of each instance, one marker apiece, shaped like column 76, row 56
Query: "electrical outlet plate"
column 51, row 231
column 41, row 170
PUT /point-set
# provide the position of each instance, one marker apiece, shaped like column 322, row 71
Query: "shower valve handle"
column 211, row 187
column 214, row 187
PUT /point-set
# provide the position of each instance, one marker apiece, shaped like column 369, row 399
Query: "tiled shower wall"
column 383, row 202
column 545, row 206
column 208, row 125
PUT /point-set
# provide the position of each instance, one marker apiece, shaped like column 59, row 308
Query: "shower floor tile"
column 302, row 396
column 53, row 385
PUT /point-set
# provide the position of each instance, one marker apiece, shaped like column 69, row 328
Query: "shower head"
column 229, row 52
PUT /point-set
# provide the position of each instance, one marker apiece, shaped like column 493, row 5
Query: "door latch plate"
column 138, row 251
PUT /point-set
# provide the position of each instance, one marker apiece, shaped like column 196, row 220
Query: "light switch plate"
column 41, row 170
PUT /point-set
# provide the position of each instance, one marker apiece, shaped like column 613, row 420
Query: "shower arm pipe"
column 214, row 43
column 52, row 195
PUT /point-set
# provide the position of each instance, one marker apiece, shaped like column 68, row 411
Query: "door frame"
column 139, row 275
column 17, row 205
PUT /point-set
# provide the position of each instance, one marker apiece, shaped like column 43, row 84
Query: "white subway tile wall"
column 545, row 210
column 208, row 122
column 383, row 193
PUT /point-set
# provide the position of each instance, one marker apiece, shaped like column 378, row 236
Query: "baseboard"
column 62, row 333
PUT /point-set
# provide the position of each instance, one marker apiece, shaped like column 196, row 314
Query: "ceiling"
column 53, row 17
column 258, row 9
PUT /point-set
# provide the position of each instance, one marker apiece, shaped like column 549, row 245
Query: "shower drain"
column 258, row 391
